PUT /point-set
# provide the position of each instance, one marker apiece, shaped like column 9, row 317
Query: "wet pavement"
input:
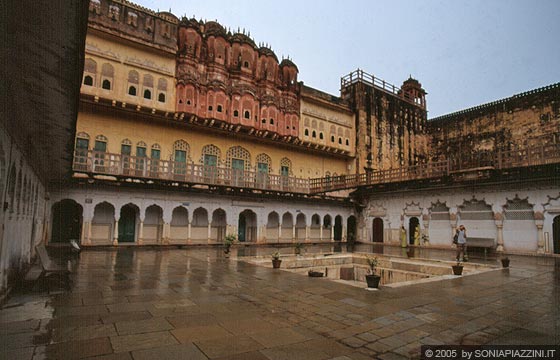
column 195, row 304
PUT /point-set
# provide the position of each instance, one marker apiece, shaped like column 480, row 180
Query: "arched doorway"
column 413, row 225
column 247, row 226
column 351, row 229
column 338, row 228
column 377, row 230
column 66, row 221
column 556, row 234
column 127, row 223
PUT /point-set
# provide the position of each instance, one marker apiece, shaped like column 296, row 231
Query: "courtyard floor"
column 194, row 304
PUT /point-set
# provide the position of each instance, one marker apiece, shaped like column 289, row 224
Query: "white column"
column 540, row 237
column 88, row 239
column 189, row 232
column 166, row 232
column 279, row 231
column 209, row 232
column 321, row 232
column 116, row 232
column 141, row 232
column 332, row 233
column 306, row 233
column 498, row 220
column 293, row 233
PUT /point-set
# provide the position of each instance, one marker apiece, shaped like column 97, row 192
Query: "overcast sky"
column 464, row 53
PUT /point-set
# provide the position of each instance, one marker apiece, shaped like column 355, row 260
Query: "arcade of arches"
column 115, row 223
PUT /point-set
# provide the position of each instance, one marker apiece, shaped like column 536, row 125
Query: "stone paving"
column 195, row 304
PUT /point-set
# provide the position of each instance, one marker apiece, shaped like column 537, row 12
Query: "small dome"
column 263, row 50
column 168, row 16
column 214, row 28
column 412, row 82
column 190, row 23
column 244, row 39
column 288, row 62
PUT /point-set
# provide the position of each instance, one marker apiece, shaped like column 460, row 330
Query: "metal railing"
column 96, row 162
column 363, row 77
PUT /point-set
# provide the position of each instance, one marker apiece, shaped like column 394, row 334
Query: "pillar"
column 320, row 233
column 279, row 231
column 293, row 233
column 343, row 236
column 332, row 233
column 166, row 232
column 209, row 232
column 306, row 233
column 189, row 232
column 88, row 239
column 141, row 232
column 116, row 232
column 499, row 221
column 540, row 237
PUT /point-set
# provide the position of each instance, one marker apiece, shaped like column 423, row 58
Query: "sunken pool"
column 351, row 268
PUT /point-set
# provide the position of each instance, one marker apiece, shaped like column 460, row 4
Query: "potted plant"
column 228, row 242
column 505, row 262
column 298, row 247
column 457, row 268
column 372, row 279
column 276, row 260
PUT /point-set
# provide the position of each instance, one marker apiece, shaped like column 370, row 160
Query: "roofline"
column 497, row 102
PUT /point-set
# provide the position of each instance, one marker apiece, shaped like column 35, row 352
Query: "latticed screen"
column 518, row 210
column 239, row 153
column 439, row 212
column 476, row 210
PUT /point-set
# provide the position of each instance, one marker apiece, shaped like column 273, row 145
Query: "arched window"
column 235, row 113
column 180, row 156
column 106, row 84
column 332, row 138
column 211, row 155
column 107, row 74
column 246, row 64
column 238, row 158
column 90, row 71
column 148, row 81
column 147, row 94
column 340, row 141
column 321, row 136
column 210, row 108
column 271, row 121
column 88, row 80
column 306, row 132
column 313, row 134
column 132, row 90
column 247, row 114
column 162, row 84
column 285, row 167
column 161, row 97
column 219, row 108
column 81, row 151
column 347, row 142
column 264, row 163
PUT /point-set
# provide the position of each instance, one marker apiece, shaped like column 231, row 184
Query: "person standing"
column 461, row 234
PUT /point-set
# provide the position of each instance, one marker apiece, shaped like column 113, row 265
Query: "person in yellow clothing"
column 403, row 237
column 417, row 236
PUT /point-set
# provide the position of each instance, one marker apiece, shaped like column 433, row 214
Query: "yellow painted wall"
column 304, row 164
column 322, row 115
column 124, row 57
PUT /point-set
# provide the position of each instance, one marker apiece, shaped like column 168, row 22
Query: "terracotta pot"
column 457, row 269
column 276, row 263
column 373, row 281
